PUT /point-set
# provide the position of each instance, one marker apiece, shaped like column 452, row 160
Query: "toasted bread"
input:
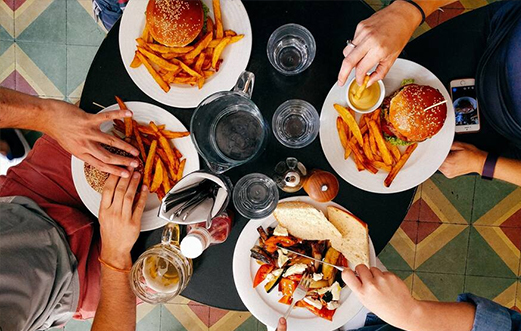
column 354, row 240
column 304, row 221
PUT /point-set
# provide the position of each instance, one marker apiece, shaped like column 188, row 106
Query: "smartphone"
column 463, row 93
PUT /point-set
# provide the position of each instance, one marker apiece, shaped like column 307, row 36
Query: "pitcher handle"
column 245, row 83
column 170, row 234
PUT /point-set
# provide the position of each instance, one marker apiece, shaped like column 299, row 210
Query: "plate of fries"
column 358, row 151
column 184, row 76
column 166, row 151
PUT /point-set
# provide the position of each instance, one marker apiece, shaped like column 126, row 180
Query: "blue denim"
column 109, row 11
column 490, row 316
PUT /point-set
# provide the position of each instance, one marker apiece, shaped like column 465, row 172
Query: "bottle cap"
column 192, row 246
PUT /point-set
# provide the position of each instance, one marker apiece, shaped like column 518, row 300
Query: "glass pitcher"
column 227, row 128
column 161, row 272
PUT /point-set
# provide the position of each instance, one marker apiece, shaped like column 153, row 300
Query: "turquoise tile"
column 75, row 325
column 4, row 46
column 51, row 59
column 49, row 26
column 56, row 329
column 4, row 35
column 81, row 27
column 489, row 194
column 489, row 287
column 79, row 59
column 151, row 322
column 169, row 322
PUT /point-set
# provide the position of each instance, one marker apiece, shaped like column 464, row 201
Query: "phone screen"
column 465, row 105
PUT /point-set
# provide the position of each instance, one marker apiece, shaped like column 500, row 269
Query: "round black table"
column 331, row 23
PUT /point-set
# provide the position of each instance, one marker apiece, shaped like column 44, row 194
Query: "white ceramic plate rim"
column 235, row 56
column 423, row 163
column 143, row 113
column 261, row 305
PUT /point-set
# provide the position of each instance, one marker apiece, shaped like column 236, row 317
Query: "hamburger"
column 175, row 23
column 405, row 117
column 97, row 178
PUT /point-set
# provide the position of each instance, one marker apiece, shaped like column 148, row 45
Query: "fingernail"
column 128, row 113
column 134, row 164
column 339, row 83
column 136, row 175
column 144, row 188
column 124, row 174
column 134, row 152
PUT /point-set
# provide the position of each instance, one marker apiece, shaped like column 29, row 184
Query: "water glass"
column 255, row 196
column 295, row 123
column 291, row 49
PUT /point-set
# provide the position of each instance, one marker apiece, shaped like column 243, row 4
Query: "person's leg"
column 453, row 50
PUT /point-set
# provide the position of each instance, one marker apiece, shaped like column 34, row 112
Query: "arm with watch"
column 465, row 158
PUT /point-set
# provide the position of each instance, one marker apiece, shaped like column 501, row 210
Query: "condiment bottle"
column 199, row 238
column 290, row 175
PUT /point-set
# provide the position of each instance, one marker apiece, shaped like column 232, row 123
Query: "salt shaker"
column 290, row 175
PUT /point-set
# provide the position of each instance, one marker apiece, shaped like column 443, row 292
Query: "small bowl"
column 373, row 108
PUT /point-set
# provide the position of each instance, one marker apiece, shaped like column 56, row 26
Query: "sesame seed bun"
column 175, row 23
column 406, row 117
column 97, row 178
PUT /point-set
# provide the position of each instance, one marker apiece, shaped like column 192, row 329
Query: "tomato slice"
column 324, row 312
column 295, row 278
column 262, row 273
column 286, row 300
column 284, row 241
column 342, row 261
column 287, row 286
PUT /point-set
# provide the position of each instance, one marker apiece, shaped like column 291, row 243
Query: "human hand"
column 282, row 324
column 79, row 133
column 120, row 218
column 379, row 41
column 383, row 293
column 463, row 159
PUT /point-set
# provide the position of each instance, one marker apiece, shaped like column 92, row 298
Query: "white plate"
column 424, row 161
column 143, row 113
column 265, row 307
column 235, row 56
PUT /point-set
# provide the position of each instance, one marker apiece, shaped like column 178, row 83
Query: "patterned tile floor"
column 460, row 235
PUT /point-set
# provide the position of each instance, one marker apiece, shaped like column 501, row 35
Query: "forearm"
column 508, row 170
column 117, row 305
column 23, row 111
column 426, row 317
column 430, row 6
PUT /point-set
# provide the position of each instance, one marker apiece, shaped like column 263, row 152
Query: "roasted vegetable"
column 261, row 274
column 260, row 254
column 331, row 258
column 262, row 233
column 271, row 285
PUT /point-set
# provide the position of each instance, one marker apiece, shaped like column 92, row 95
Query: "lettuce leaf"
column 407, row 81
column 206, row 11
column 396, row 141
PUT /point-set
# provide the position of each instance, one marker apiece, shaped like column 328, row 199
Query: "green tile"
column 483, row 260
column 49, row 26
column 79, row 59
column 488, row 194
column 251, row 324
column 444, row 286
column 261, row 326
column 56, row 329
column 169, row 322
column 450, row 258
column 81, row 27
column 4, row 46
column 488, row 287
column 392, row 260
column 76, row 325
column 51, row 59
column 4, row 35
column 152, row 321
column 459, row 191
column 402, row 274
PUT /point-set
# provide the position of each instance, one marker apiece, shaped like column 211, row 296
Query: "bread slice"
column 354, row 242
column 305, row 221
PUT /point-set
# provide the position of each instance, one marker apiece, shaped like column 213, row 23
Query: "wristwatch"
column 489, row 166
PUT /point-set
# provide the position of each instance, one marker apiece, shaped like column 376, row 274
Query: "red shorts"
column 45, row 177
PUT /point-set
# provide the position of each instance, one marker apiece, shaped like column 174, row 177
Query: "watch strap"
column 489, row 166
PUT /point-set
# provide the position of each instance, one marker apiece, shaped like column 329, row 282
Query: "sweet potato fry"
column 157, row 180
column 178, row 153
column 128, row 120
column 218, row 50
column 160, row 194
column 162, row 63
column 154, row 73
column 185, row 80
column 200, row 46
column 380, row 142
column 180, row 170
column 147, row 173
column 399, row 165
column 173, row 134
column 233, row 39
column 218, row 18
column 139, row 140
column 165, row 49
column 169, row 56
column 166, row 181
column 136, row 62
column 350, row 120
column 172, row 160
column 199, row 63
column 381, row 165
column 230, row 33
column 187, row 69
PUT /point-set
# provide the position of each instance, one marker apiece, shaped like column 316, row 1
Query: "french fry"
column 399, row 165
column 383, row 166
column 136, row 62
column 127, row 120
column 218, row 18
column 341, row 128
column 145, row 33
column 200, row 46
column 154, row 73
column 380, row 142
column 187, row 69
column 209, row 24
column 376, row 115
column 395, row 151
column 350, row 120
column 160, row 194
column 162, row 63
column 166, row 181
column 208, row 73
column 165, row 49
column 184, row 80
column 147, row 173
column 358, row 157
column 200, row 82
column 367, row 149
column 362, row 88
column 372, row 143
column 157, row 180
column 170, row 56
column 233, row 39
column 218, row 50
column 365, row 163
column 199, row 63
column 180, row 170
column 165, row 145
column 359, row 165
column 178, row 153
column 230, row 33
column 173, row 134
column 141, row 42
column 164, row 158
column 139, row 140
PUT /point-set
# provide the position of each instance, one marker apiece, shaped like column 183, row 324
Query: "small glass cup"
column 255, row 196
column 296, row 123
column 291, row 49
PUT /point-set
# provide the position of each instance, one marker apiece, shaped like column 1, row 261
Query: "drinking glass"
column 291, row 49
column 255, row 196
column 296, row 123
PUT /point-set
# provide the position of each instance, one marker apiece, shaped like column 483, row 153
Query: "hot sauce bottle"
column 200, row 238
